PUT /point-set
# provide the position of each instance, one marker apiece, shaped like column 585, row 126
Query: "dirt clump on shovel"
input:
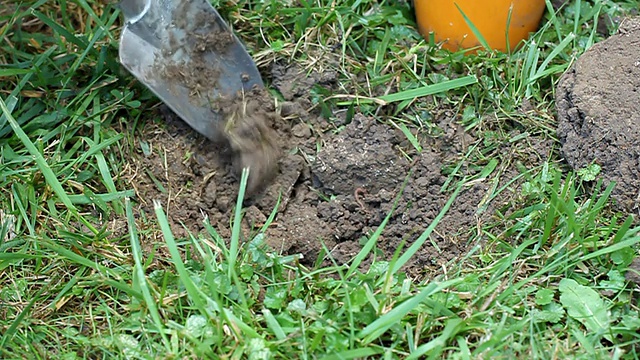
column 248, row 130
column 241, row 122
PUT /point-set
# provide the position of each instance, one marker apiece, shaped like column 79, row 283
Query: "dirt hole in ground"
column 337, row 196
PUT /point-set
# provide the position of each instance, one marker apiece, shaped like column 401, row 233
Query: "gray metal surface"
column 167, row 34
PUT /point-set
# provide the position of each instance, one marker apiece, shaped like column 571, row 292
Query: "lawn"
column 114, row 244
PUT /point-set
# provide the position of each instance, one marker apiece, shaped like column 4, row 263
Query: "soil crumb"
column 599, row 112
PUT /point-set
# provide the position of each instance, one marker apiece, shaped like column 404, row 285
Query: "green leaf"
column 623, row 256
column 551, row 313
column 631, row 320
column 274, row 298
column 277, row 45
column 258, row 349
column 616, row 281
column 222, row 283
column 585, row 305
column 544, row 296
column 358, row 298
column 297, row 306
column 197, row 326
column 590, row 172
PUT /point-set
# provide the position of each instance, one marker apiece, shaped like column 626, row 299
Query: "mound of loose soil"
column 598, row 104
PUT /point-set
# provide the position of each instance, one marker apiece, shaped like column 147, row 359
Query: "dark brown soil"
column 337, row 196
column 633, row 274
column 598, row 104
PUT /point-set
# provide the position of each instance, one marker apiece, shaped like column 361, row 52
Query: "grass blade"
column 370, row 244
column 411, row 93
column 382, row 324
column 141, row 280
column 82, row 199
column 430, row 89
column 237, row 223
column 183, row 274
column 11, row 330
column 354, row 354
column 474, row 29
column 274, row 325
column 435, row 346
column 49, row 175
column 195, row 295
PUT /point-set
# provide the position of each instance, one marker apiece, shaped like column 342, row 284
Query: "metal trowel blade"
column 185, row 53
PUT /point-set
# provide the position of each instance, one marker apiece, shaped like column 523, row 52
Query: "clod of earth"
column 247, row 127
column 598, row 106
column 362, row 158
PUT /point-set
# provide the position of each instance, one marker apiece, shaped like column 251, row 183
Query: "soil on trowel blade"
column 335, row 197
column 205, row 40
column 240, row 123
column 598, row 106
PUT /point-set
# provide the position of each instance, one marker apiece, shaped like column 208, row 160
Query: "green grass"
column 543, row 279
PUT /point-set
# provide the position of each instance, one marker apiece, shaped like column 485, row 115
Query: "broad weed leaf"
column 585, row 305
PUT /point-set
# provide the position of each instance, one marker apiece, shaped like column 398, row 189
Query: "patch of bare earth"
column 336, row 196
